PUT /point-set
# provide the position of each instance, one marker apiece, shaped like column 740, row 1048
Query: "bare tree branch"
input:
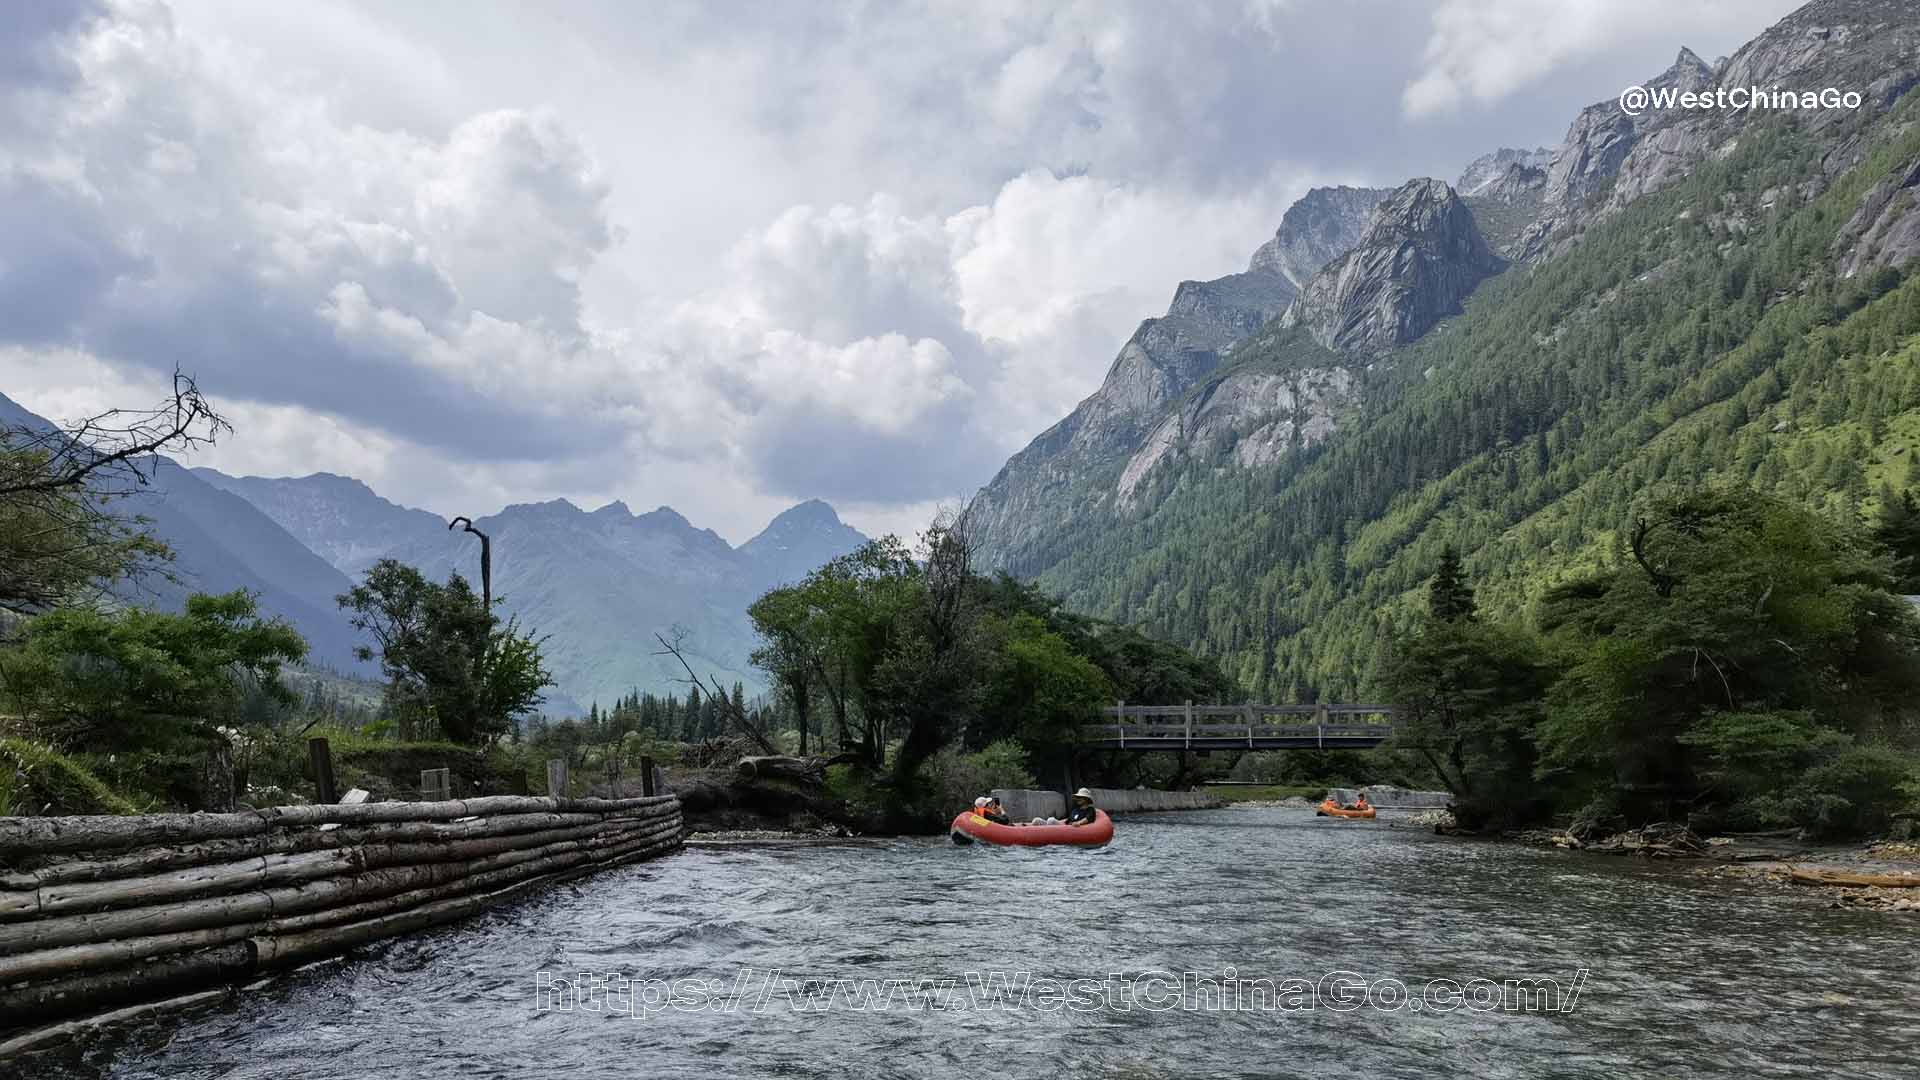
column 717, row 692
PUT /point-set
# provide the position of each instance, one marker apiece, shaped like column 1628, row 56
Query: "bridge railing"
column 1180, row 725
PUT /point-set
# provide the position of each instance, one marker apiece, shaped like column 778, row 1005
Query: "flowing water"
column 1685, row 976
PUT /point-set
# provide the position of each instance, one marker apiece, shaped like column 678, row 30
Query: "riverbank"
column 1882, row 875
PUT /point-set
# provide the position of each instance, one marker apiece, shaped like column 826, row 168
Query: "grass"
column 36, row 779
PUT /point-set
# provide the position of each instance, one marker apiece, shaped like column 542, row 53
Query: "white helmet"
column 981, row 801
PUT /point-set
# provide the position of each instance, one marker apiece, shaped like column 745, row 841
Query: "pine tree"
column 1450, row 598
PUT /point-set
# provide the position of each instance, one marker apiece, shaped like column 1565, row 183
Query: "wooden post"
column 436, row 785
column 1120, row 721
column 1187, row 738
column 646, row 775
column 322, row 759
column 557, row 777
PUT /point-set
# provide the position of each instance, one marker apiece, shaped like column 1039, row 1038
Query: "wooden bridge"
column 1240, row 727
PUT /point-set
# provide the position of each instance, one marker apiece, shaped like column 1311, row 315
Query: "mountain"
column 1072, row 468
column 796, row 542
column 598, row 585
column 220, row 543
column 1419, row 257
column 1490, row 169
column 1314, row 231
column 1689, row 296
column 336, row 517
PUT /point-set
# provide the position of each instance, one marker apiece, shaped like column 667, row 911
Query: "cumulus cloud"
column 688, row 257
column 1484, row 50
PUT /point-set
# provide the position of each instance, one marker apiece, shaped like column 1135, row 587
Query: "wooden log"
column 73, row 959
column 199, row 881
column 780, row 768
column 50, row 1035
column 286, row 950
column 159, row 859
column 646, row 776
column 257, row 905
column 1851, row 879
column 100, row 832
column 322, row 759
column 233, row 961
column 63, row 997
column 655, row 842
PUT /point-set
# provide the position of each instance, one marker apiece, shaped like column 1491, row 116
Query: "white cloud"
column 676, row 256
column 1481, row 51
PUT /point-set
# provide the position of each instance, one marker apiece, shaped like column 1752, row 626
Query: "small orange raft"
column 969, row 826
column 1329, row 808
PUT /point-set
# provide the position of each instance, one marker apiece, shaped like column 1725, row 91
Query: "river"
column 1685, row 975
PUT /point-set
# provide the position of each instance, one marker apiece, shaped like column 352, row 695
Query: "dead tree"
column 58, row 486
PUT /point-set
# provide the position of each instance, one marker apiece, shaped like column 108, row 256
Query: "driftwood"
column 779, row 767
column 1851, row 879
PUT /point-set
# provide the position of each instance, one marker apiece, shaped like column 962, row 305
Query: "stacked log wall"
column 103, row 917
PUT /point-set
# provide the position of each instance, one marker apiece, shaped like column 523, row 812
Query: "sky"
column 719, row 256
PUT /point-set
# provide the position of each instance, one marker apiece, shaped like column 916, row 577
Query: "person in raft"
column 1081, row 811
column 989, row 808
column 1360, row 801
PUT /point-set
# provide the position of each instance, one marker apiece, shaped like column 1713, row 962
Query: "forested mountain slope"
column 1708, row 297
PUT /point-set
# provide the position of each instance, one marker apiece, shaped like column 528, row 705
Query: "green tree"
column 1470, row 696
column 1039, row 692
column 453, row 669
column 1449, row 597
column 1897, row 531
column 1729, row 603
column 117, row 680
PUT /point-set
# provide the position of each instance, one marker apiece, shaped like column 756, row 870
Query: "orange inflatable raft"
column 1329, row 808
column 970, row 826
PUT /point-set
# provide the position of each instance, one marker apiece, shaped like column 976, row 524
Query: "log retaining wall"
column 102, row 916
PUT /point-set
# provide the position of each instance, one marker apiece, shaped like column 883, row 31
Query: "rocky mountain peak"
column 1489, row 169
column 796, row 541
column 1610, row 158
column 1323, row 225
column 1421, row 254
column 1688, row 71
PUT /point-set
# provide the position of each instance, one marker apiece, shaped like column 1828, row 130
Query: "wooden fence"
column 102, row 917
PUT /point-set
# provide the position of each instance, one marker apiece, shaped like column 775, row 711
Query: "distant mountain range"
column 221, row 543
column 599, row 585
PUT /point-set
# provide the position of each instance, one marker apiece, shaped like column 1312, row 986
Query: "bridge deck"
column 1238, row 727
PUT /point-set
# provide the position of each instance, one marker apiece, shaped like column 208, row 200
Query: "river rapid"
column 1685, row 975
